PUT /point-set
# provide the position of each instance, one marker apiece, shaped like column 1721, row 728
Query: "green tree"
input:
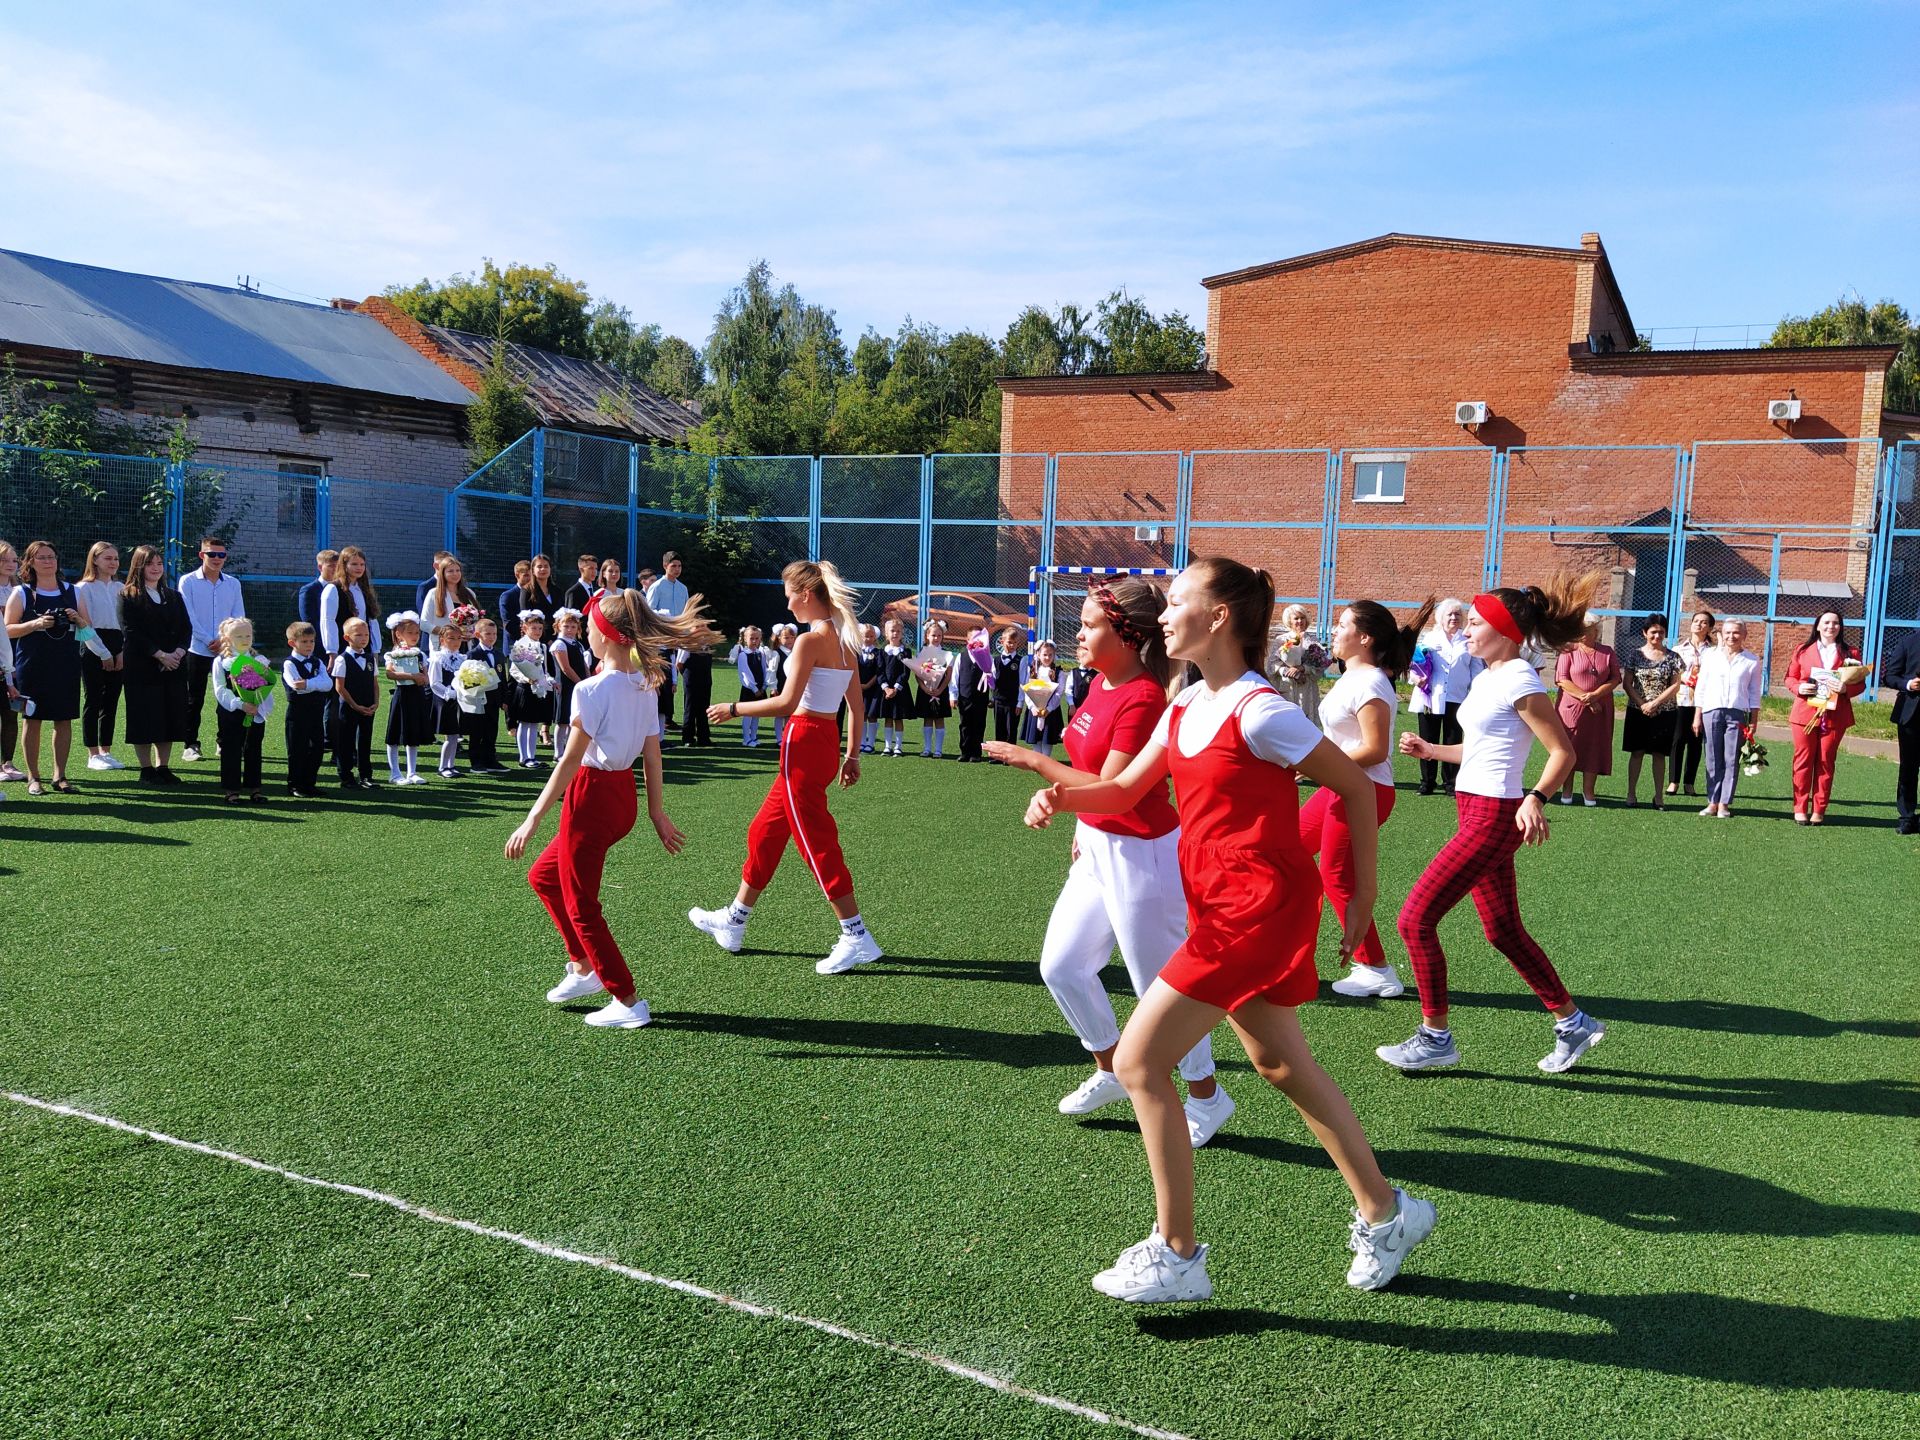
column 677, row 371
column 1032, row 344
column 1851, row 321
column 530, row 304
column 759, row 334
column 499, row 412
column 1138, row 342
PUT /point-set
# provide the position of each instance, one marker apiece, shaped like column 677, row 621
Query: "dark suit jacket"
column 1900, row 662
column 306, row 603
column 420, row 595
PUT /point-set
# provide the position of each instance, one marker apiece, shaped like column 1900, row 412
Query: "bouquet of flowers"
column 466, row 617
column 1420, row 669
column 528, row 661
column 253, row 678
column 471, row 682
column 1753, row 755
column 980, row 651
column 1040, row 694
column 1832, row 684
column 407, row 659
column 931, row 666
column 1300, row 651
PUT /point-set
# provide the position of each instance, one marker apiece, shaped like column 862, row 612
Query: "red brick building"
column 1368, row 348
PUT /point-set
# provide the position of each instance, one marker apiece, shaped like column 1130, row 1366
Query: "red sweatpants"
column 796, row 807
column 597, row 813
column 1323, row 831
column 1813, row 760
column 1477, row 861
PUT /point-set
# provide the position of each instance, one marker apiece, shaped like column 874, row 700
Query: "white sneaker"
column 1380, row 1250
column 416, row 779
column 727, row 935
column 1378, row 981
column 1099, row 1089
column 576, row 986
column 1150, row 1273
column 1570, row 1044
column 190, row 754
column 1420, row 1051
column 615, row 1016
column 101, row 762
column 1205, row 1117
column 849, row 951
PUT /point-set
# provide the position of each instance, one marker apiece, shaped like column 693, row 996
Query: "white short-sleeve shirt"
column 1276, row 730
column 618, row 710
column 1340, row 711
column 1496, row 736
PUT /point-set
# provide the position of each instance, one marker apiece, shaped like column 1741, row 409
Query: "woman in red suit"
column 1808, row 681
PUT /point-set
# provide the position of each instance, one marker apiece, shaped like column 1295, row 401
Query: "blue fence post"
column 539, row 488
column 323, row 511
column 633, row 509
column 1879, row 596
column 713, row 489
column 813, row 508
column 1329, row 534
column 175, row 515
column 451, row 521
column 1677, row 533
column 924, row 579
column 1183, row 511
column 1490, row 558
column 1049, row 496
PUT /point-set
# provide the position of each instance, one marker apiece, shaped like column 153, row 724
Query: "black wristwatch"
column 1538, row 796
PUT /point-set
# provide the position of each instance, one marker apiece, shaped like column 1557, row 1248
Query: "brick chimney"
column 416, row 336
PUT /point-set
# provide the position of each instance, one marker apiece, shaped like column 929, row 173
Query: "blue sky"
column 953, row 163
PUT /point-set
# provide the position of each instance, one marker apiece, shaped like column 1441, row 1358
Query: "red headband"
column 1494, row 611
column 601, row 623
column 1122, row 622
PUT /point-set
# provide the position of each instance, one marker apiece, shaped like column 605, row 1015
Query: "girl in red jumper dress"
column 1232, row 746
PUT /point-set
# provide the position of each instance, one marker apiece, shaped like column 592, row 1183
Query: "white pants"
column 1122, row 890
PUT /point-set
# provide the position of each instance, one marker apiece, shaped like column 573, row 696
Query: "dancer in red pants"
column 1357, row 715
column 1232, row 746
column 1505, row 711
column 822, row 672
column 1822, row 714
column 615, row 720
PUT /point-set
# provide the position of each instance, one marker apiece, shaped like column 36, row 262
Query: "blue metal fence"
column 1769, row 531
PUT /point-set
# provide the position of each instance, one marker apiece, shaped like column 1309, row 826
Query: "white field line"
column 601, row 1262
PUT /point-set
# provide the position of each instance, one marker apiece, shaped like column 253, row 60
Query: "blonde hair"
column 231, row 632
column 93, row 558
column 654, row 635
column 822, row 577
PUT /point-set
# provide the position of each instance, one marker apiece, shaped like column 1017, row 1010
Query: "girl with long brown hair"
column 350, row 596
column 1505, row 712
column 615, row 720
column 822, row 671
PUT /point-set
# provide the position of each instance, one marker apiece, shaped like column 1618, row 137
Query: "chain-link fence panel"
column 568, row 531
column 1120, row 510
column 1777, row 582
column 1900, row 612
column 270, row 519
column 592, row 468
column 72, row 500
column 1265, row 508
column 988, row 514
column 870, row 528
column 508, row 473
column 490, row 534
column 1409, row 523
column 400, row 526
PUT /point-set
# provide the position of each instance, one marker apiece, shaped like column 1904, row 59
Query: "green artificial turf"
column 1706, row 1229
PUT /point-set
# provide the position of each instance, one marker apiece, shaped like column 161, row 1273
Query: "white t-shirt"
column 1497, row 738
column 618, row 711
column 1275, row 730
column 99, row 602
column 1340, row 711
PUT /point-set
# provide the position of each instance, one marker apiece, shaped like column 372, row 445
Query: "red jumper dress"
column 1253, row 895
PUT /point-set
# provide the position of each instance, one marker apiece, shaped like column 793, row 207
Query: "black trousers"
column 352, row 744
column 482, row 734
column 1440, row 727
column 240, row 745
column 306, row 739
column 1006, row 720
column 1685, row 752
column 666, row 699
column 1903, row 796
column 199, row 667
column 698, row 679
column 973, row 726
column 101, row 690
column 9, row 730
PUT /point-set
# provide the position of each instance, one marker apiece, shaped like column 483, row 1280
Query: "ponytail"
column 1555, row 614
column 1247, row 592
column 822, row 577
column 652, row 634
column 1392, row 643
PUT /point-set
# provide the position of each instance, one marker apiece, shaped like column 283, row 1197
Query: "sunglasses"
column 213, row 554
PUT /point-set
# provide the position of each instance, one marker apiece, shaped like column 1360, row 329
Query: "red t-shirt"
column 1122, row 718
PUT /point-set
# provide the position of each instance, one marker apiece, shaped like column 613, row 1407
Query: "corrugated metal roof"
column 57, row 305
column 582, row 394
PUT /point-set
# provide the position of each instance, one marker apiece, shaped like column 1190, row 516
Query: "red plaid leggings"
column 1478, row 861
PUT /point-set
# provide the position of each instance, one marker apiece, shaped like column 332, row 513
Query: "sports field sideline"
column 1706, row 1229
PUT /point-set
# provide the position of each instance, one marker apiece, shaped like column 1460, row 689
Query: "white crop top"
column 825, row 690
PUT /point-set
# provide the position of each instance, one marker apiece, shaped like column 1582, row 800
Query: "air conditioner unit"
column 1470, row 412
column 1778, row 410
column 1147, row 534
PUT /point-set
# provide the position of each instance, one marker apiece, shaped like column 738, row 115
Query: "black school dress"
column 46, row 663
column 894, row 665
column 523, row 706
column 581, row 659
column 869, row 663
column 934, row 704
column 409, row 715
column 157, row 709
column 448, row 718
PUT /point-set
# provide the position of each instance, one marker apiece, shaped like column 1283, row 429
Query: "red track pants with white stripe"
column 597, row 813
column 796, row 807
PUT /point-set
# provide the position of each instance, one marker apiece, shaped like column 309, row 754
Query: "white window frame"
column 1399, row 458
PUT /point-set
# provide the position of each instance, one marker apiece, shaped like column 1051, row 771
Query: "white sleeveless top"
column 825, row 689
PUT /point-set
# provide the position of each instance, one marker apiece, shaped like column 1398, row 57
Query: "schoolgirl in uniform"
column 571, row 663
column 1357, row 715
column 868, row 665
column 449, row 720
column 896, row 693
column 410, row 706
column 1040, row 727
column 781, row 654
column 1009, row 674
column 821, row 675
column 1124, row 887
column 1505, row 711
column 615, row 720
column 530, row 702
column 935, row 701
column 1233, row 747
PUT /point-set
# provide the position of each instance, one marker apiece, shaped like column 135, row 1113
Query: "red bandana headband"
column 602, row 624
column 1122, row 622
column 1495, row 613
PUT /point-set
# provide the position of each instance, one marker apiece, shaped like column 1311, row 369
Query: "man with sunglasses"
column 210, row 596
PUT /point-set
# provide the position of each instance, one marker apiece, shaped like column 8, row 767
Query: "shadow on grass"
column 66, row 835
column 1893, row 1098
column 940, row 967
column 819, row 1039
column 1702, row 1014
column 1629, row 1188
column 1683, row 1333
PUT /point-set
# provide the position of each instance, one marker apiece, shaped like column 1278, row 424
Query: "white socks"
column 393, row 762
column 939, row 742
column 738, row 914
column 527, row 738
column 853, row 925
column 449, row 751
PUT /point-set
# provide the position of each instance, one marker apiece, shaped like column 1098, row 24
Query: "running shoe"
column 1150, row 1273
column 615, row 1016
column 577, row 986
column 1099, row 1089
column 1571, row 1040
column 1205, row 1117
column 1420, row 1051
column 1380, row 1250
column 848, row 952
column 717, row 923
column 1380, row 982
